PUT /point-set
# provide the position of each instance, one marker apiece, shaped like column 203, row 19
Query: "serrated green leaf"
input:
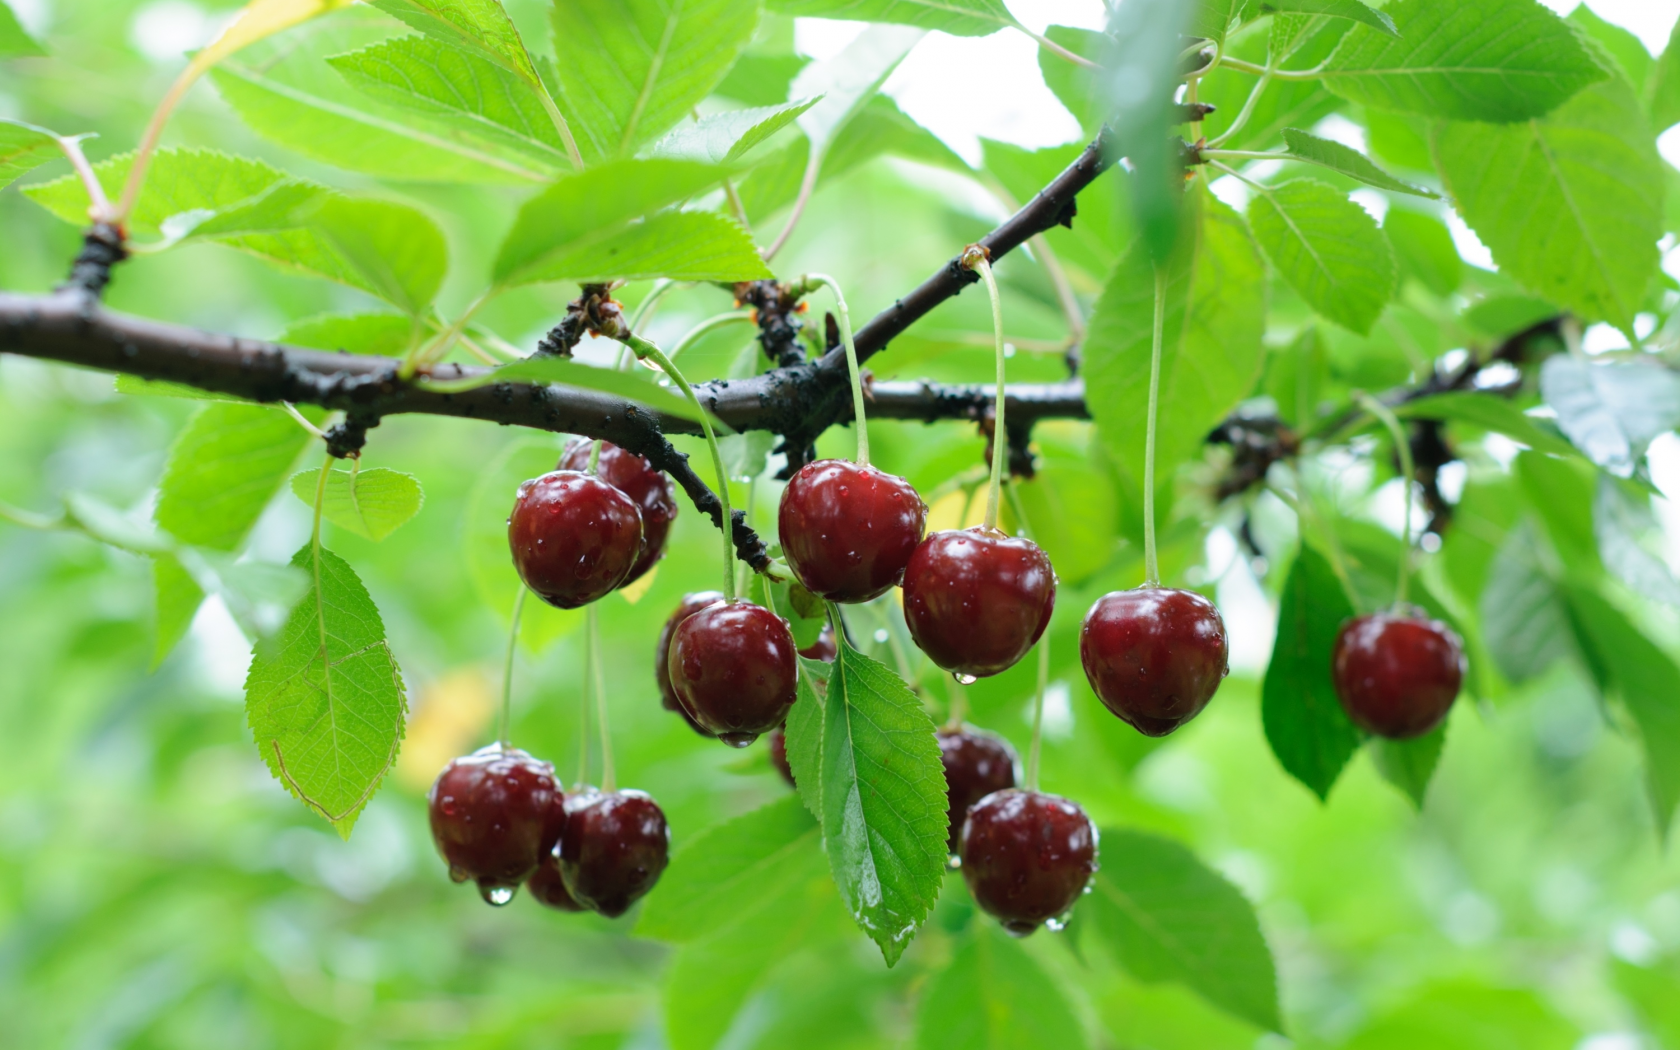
column 23, row 148
column 1305, row 146
column 392, row 250
column 1570, row 205
column 1297, row 42
column 1496, row 60
column 723, row 138
column 957, row 17
column 1612, row 410
column 848, row 81
column 1525, row 624
column 1077, row 87
column 1328, row 248
column 15, row 43
column 1409, row 764
column 634, row 68
column 1351, row 10
column 804, row 729
column 481, row 27
column 223, row 469
column 883, row 798
column 1623, row 47
column 324, row 699
column 760, row 79
column 995, row 996
column 1424, row 249
column 1490, row 412
column 1211, row 355
column 1622, row 519
column 177, row 598
column 195, row 191
column 1168, row 917
column 1305, row 724
column 371, row 503
column 1662, row 88
column 386, row 335
column 629, row 385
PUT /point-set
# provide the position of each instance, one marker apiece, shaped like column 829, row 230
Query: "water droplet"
column 1056, row 925
column 457, row 874
column 497, row 896
column 737, row 739
column 953, row 862
column 964, row 679
column 881, row 636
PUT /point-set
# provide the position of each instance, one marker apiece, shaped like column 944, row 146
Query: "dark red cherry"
column 545, row 884
column 734, row 668
column 691, row 604
column 976, row 764
column 649, row 489
column 490, row 812
column 1154, row 656
column 777, row 740
column 1397, row 675
column 848, row 530
column 976, row 599
column 1026, row 857
column 614, row 847
column 574, row 537
column 823, row 648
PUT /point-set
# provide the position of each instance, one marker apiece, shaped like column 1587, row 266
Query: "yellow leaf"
column 260, row 19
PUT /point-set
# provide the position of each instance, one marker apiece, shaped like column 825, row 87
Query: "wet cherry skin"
column 976, row 600
column 649, row 489
column 691, row 604
column 777, row 740
column 574, row 537
column 976, row 764
column 1027, row 856
column 545, row 884
column 490, row 813
column 823, row 648
column 733, row 667
column 1154, row 656
column 848, row 530
column 614, row 847
column 1397, row 675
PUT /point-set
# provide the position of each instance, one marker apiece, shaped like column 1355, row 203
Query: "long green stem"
column 646, row 350
column 1403, row 448
column 598, row 682
column 851, row 362
column 1000, row 436
column 1151, row 567
column 1247, row 111
column 1058, row 50
column 1307, row 512
column 710, row 324
column 506, row 720
column 1025, row 526
column 1280, row 74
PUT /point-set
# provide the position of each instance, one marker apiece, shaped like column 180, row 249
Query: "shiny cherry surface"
column 733, row 667
column 977, row 599
column 1154, row 656
column 1397, row 676
column 649, row 489
column 976, row 764
column 848, row 530
column 691, row 604
column 823, row 648
column 777, row 740
column 614, row 847
column 1027, row 856
column 545, row 884
column 574, row 537
column 490, row 813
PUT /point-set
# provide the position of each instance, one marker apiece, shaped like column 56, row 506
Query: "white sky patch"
column 220, row 652
column 1601, row 338
column 1649, row 20
column 36, row 16
column 1372, row 201
column 1468, row 244
column 1232, row 191
column 1249, row 620
column 166, row 30
column 1338, row 128
column 1036, row 15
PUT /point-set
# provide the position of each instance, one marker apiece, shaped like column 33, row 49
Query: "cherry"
column 733, row 667
column 1154, row 656
column 691, row 604
column 545, row 884
column 1027, row 856
column 574, row 537
column 1397, row 675
column 823, row 648
column 976, row 764
column 649, row 489
column 976, row 600
column 490, row 814
column 614, row 847
column 778, row 754
column 848, row 530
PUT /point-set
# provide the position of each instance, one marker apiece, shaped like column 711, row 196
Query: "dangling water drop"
column 964, row 679
column 953, row 862
column 1056, row 925
column 497, row 896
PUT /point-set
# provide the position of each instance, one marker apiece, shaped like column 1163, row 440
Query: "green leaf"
column 1328, row 248
column 1211, row 356
column 1424, row 248
column 733, row 870
column 1490, row 412
column 1212, row 19
column 1140, row 85
column 634, row 68
column 1408, row 764
column 1611, row 410
column 1168, row 917
column 1624, row 48
column 1506, row 315
column 629, row 385
column 804, row 730
column 1525, row 624
column 1467, row 1016
column 883, row 797
column 477, row 101
column 1560, row 492
column 1662, row 89
column 1654, row 993
column 387, row 335
column 1571, row 205
column 722, row 138
column 1622, row 519
column 371, row 503
column 15, row 43
column 1077, row 87
column 761, row 79
column 325, row 699
column 995, row 996
column 192, row 192
column 23, row 148
column 223, row 470
column 1352, row 10
column 1309, row 732
column 178, row 599
column 393, row 251
column 1297, row 42
column 481, row 27
column 1355, row 165
column 1495, row 60
column 957, row 17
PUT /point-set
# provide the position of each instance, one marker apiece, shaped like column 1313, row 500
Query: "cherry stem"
column 851, row 361
column 1151, row 566
column 1403, row 448
column 507, row 670
column 975, row 259
column 959, row 705
column 595, row 456
column 1025, row 526
column 647, row 351
column 598, row 683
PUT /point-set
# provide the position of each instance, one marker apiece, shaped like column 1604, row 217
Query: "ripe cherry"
column 1154, row 656
column 848, row 530
column 649, row 489
column 823, row 648
column 490, row 812
column 545, row 884
column 574, row 537
column 976, row 764
column 614, row 847
column 691, row 604
column 733, row 667
column 1397, row 675
column 778, row 754
column 976, row 600
column 1027, row 856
